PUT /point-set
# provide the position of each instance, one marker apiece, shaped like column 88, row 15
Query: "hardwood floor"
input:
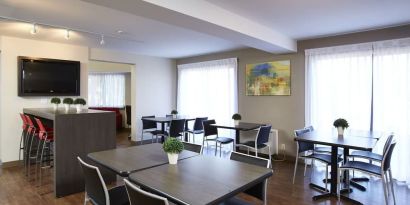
column 16, row 190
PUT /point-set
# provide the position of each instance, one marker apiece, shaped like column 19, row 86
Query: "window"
column 106, row 90
column 208, row 89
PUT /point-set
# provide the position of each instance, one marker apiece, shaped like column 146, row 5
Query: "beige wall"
column 287, row 113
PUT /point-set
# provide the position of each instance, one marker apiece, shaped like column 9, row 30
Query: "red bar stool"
column 46, row 138
column 32, row 131
column 23, row 136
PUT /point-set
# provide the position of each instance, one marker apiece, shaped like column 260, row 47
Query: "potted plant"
column 174, row 113
column 172, row 146
column 79, row 102
column 55, row 101
column 67, row 102
column 236, row 117
column 341, row 124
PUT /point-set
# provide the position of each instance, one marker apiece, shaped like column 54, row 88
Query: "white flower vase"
column 173, row 158
column 78, row 107
column 67, row 107
column 55, row 107
column 236, row 122
column 340, row 130
column 174, row 116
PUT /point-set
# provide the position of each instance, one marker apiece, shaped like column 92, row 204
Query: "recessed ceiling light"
column 120, row 31
column 33, row 30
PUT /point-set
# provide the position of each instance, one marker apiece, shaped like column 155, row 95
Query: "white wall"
column 10, row 104
column 154, row 91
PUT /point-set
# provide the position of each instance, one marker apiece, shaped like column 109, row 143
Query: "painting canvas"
column 270, row 78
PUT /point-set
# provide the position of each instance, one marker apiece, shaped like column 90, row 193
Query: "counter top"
column 49, row 113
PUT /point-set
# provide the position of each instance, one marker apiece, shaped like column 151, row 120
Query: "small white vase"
column 340, row 130
column 174, row 116
column 78, row 107
column 172, row 158
column 67, row 107
column 55, row 107
column 236, row 122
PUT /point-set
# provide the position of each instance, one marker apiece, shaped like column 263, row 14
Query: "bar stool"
column 46, row 138
column 31, row 134
column 23, row 136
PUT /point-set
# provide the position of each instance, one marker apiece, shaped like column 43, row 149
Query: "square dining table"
column 350, row 140
column 124, row 161
column 200, row 180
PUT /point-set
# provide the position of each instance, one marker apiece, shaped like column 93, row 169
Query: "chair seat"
column 118, row 196
column 251, row 144
column 363, row 166
column 195, row 131
column 235, row 201
column 158, row 132
column 224, row 140
column 325, row 158
column 367, row 155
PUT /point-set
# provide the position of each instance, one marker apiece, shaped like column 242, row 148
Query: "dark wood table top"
column 242, row 126
column 167, row 119
column 351, row 140
column 200, row 180
column 49, row 113
column 124, row 161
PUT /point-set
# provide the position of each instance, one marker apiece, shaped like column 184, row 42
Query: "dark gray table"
column 348, row 141
column 200, row 180
column 124, row 161
column 242, row 126
column 166, row 120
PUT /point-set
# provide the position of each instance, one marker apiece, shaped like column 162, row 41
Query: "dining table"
column 241, row 126
column 124, row 161
column 200, row 180
column 350, row 140
column 167, row 120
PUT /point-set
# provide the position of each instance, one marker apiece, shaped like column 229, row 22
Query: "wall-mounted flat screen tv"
column 48, row 77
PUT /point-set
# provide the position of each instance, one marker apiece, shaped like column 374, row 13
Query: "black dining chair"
column 192, row 147
column 259, row 190
column 211, row 134
column 150, row 127
column 383, row 171
column 305, row 150
column 176, row 129
column 137, row 196
column 96, row 191
column 198, row 128
column 371, row 156
column 261, row 141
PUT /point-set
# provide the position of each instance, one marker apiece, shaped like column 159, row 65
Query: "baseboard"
column 11, row 164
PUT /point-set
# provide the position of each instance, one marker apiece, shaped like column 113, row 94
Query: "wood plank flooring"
column 16, row 190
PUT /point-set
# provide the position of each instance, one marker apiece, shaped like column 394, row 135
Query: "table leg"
column 186, row 133
column 237, row 139
column 333, row 177
column 163, row 131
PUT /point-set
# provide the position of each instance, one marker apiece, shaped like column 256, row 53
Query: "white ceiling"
column 181, row 28
column 304, row 19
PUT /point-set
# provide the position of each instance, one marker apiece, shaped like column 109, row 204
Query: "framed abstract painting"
column 270, row 78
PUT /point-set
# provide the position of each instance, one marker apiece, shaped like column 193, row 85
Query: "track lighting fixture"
column 67, row 34
column 33, row 30
column 102, row 42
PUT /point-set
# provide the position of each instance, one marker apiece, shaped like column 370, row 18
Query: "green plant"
column 55, row 101
column 173, row 145
column 341, row 123
column 68, row 101
column 80, row 101
column 174, row 112
column 236, row 116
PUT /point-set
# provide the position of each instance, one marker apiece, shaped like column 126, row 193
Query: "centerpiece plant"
column 172, row 146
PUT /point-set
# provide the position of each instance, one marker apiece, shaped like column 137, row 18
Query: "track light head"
column 67, row 34
column 102, row 42
column 33, row 30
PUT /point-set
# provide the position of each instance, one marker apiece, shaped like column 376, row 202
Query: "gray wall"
column 287, row 113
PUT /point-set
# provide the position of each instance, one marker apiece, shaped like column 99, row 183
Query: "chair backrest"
column 310, row 128
column 23, row 118
column 387, row 156
column 128, row 113
column 303, row 146
column 31, row 126
column 388, row 142
column 208, row 129
column 176, row 127
column 42, row 132
column 263, row 135
column 148, row 124
column 95, row 187
column 192, row 147
column 168, row 115
column 258, row 190
column 137, row 196
column 198, row 123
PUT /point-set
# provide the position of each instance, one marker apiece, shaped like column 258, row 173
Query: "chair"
column 32, row 132
column 46, row 138
column 192, row 147
column 176, row 128
column 23, row 135
column 261, row 141
column 371, row 155
column 213, row 131
column 259, row 190
column 137, row 196
column 96, row 191
column 198, row 127
column 305, row 150
column 150, row 127
column 383, row 171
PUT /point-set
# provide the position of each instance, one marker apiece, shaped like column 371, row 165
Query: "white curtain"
column 106, row 90
column 208, row 89
column 339, row 85
column 391, row 111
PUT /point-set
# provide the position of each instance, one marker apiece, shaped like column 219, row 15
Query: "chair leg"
column 216, row 147
column 339, row 185
column 270, row 156
column 296, row 167
column 391, row 186
column 142, row 136
column 248, row 150
column 384, row 188
column 41, row 161
column 220, row 149
column 85, row 198
column 304, row 171
column 312, row 170
column 386, row 178
column 326, row 177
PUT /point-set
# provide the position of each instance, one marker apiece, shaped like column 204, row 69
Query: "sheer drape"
column 106, row 90
column 208, row 89
column 392, row 101
column 339, row 84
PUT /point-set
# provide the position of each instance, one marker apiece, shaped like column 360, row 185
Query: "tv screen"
column 48, row 77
